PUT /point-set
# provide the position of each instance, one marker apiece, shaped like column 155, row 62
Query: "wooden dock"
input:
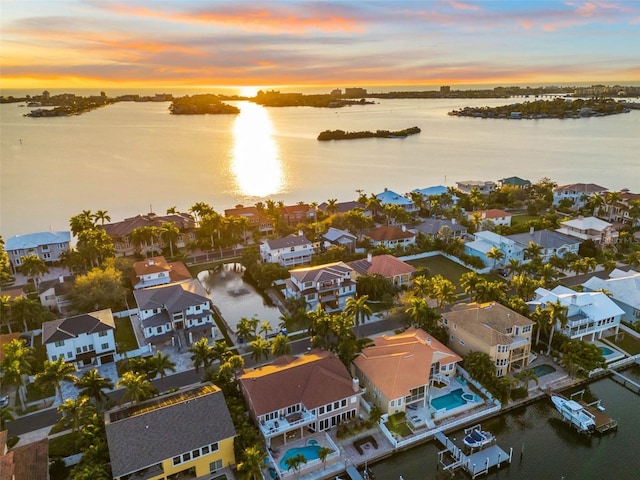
column 604, row 423
column 475, row 464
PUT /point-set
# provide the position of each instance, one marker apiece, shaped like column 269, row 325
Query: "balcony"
column 273, row 428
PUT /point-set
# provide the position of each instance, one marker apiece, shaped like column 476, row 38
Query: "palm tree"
column 73, row 410
column 324, row 452
column 54, row 373
column 6, row 415
column 533, row 250
column 137, row 387
column 201, row 354
column 496, row 255
column 525, row 376
column 469, row 282
column 252, row 462
column 92, row 385
column 5, row 312
column 513, row 266
column 28, row 311
column 220, row 351
column 332, row 206
column 172, row 210
column 295, row 463
column 417, row 310
column 33, row 267
column 101, row 215
column 246, row 328
column 170, row 233
column 444, row 291
column 160, row 364
column 260, row 348
column 558, row 316
column 17, row 363
column 358, row 310
column 280, row 345
column 265, row 327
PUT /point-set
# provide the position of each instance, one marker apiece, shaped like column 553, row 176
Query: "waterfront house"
column 577, row 193
column 397, row 371
column 258, row 219
column 294, row 396
column 623, row 288
column 443, row 229
column 328, row 285
column 389, row 197
column 26, row 462
column 86, row 339
column 288, row 251
column 589, row 316
column 120, row 233
column 344, row 207
column 551, row 243
column 47, row 246
column 494, row 215
column 436, row 191
column 590, row 228
column 390, row 237
column 484, row 187
column 176, row 311
column 340, row 238
column 186, row 434
column 486, row 241
column 626, row 210
column 154, row 271
column 516, row 182
column 54, row 294
column 398, row 272
column 494, row 329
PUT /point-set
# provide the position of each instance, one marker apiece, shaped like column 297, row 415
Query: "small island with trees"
column 342, row 135
column 556, row 108
column 200, row 105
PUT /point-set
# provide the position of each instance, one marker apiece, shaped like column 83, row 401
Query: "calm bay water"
column 129, row 158
column 552, row 449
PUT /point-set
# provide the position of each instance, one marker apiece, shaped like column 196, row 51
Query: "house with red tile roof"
column 399, row 272
column 294, row 396
column 391, row 237
column 28, row 462
column 258, row 219
column 494, row 215
column 154, row 271
column 397, row 371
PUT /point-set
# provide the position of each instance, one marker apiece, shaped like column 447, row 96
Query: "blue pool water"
column 451, row 400
column 606, row 351
column 543, row 369
column 310, row 452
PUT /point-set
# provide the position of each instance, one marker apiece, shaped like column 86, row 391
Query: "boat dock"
column 476, row 464
column 604, row 423
column 353, row 473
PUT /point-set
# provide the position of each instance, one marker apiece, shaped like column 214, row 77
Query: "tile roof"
column 385, row 232
column 581, row 187
column 432, row 226
column 487, row 321
column 386, row 265
column 322, row 273
column 34, row 240
column 287, row 242
column 398, row 363
column 125, row 227
column 491, row 213
column 314, row 379
column 72, row 327
column 32, row 461
column 161, row 428
column 431, row 191
column 623, row 286
column 343, row 207
column 391, row 197
column 177, row 270
column 174, row 297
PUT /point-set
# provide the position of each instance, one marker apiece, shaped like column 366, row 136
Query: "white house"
column 494, row 215
column 288, row 251
column 47, row 246
column 328, row 285
column 166, row 310
column 83, row 339
column 577, row 193
column 54, row 294
column 484, row 187
column 590, row 228
column 154, row 271
column 485, row 242
column 590, row 313
column 624, row 288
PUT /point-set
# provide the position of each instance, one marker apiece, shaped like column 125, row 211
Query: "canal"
column 543, row 446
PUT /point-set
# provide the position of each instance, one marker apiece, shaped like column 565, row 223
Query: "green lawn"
column 628, row 343
column 64, row 445
column 521, row 219
column 440, row 265
column 124, row 334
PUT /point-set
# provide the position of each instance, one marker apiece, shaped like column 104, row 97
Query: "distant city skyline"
column 187, row 43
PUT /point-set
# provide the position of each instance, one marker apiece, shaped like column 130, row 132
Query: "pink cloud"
column 463, row 6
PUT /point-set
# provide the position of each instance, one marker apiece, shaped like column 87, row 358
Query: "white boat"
column 574, row 413
column 477, row 438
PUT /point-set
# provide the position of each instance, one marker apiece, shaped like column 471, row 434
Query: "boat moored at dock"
column 574, row 413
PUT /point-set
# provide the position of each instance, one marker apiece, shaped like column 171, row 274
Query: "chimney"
column 404, row 228
column 428, row 340
column 356, row 385
column 151, row 262
column 369, row 257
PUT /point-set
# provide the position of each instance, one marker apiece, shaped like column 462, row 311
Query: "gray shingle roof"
column 544, row 238
column 172, row 297
column 34, row 240
column 71, row 327
column 288, row 241
column 149, row 437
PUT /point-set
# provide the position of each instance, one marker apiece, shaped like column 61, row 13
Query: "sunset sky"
column 180, row 43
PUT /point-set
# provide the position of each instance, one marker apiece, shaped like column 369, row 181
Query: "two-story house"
column 623, row 288
column 551, row 243
column 577, row 193
column 257, row 218
column 439, row 191
column 486, row 241
column 186, row 434
column 398, row 272
column 48, row 246
column 389, row 197
column 83, row 339
column 390, row 237
column 443, row 229
column 589, row 314
column 289, row 251
column 483, row 186
column 340, row 238
column 165, row 310
column 54, row 294
column 328, row 285
column 295, row 396
column 590, row 228
column 494, row 329
column 397, row 371
column 157, row 271
column 496, row 216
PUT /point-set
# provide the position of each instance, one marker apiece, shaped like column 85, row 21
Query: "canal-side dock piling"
column 476, row 464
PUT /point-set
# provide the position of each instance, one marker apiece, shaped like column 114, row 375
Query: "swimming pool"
column 542, row 370
column 451, row 400
column 310, row 452
column 606, row 351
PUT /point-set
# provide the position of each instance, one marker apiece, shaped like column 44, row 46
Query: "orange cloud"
column 463, row 6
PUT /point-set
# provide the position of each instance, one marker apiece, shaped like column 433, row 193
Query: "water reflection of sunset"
column 256, row 161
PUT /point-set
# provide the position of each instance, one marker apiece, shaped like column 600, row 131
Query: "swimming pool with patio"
column 453, row 400
column 310, row 452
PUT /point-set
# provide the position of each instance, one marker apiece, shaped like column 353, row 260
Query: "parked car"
column 4, row 401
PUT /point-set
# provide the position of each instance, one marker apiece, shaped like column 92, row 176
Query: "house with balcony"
column 626, row 210
column 486, row 241
column 590, row 228
column 296, row 396
column 86, row 339
column 494, row 215
column 589, row 315
column 155, row 271
column 47, row 246
column 54, row 294
column 398, row 272
column 389, row 197
column 187, row 434
column 328, row 285
column 494, row 329
column 515, row 182
column 484, row 187
column 175, row 312
column 120, row 233
column 390, row 237
column 551, row 243
column 289, row 251
column 623, row 288
column 577, row 193
column 397, row 371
